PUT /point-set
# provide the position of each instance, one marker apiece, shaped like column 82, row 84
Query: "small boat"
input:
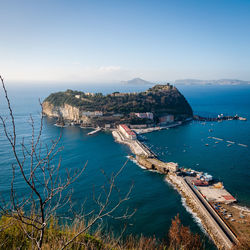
column 242, row 118
column 206, row 144
column 216, row 138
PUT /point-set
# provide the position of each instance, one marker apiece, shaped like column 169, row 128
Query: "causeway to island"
column 128, row 115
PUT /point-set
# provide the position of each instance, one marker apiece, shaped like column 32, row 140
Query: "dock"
column 214, row 223
column 220, row 232
column 137, row 147
column 94, row 131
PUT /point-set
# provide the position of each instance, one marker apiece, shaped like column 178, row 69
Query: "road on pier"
column 227, row 233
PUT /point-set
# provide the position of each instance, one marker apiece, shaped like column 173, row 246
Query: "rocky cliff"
column 66, row 111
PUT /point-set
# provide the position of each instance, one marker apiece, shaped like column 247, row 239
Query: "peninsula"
column 159, row 105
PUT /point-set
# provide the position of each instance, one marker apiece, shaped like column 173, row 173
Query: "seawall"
column 220, row 239
column 218, row 230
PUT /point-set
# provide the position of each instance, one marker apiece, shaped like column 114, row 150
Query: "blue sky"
column 106, row 41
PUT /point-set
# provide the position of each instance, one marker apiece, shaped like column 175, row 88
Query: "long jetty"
column 220, row 232
column 221, row 227
column 219, row 118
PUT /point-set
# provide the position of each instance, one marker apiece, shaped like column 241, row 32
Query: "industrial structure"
column 155, row 164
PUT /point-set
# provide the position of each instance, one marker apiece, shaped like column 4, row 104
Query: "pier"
column 219, row 118
column 219, row 230
column 228, row 235
column 137, row 147
column 94, row 131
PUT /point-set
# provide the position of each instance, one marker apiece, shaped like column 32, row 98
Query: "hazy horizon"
column 94, row 41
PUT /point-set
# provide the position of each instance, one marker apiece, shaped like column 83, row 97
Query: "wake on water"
column 194, row 215
column 140, row 166
column 133, row 160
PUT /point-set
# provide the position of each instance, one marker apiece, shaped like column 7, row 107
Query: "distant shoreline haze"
column 133, row 82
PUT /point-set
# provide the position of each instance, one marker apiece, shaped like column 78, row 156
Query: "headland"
column 158, row 106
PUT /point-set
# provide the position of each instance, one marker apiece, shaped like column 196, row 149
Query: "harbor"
column 204, row 195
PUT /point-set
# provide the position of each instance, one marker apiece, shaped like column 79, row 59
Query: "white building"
column 89, row 94
column 207, row 177
column 92, row 113
column 127, row 132
column 107, row 126
column 147, row 115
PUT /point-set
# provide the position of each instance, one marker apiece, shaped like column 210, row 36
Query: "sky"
column 115, row 40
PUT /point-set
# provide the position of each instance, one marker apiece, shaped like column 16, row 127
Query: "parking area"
column 216, row 194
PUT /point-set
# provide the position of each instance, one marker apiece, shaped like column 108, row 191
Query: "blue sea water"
column 154, row 199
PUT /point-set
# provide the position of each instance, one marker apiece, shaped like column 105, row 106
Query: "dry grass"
column 13, row 236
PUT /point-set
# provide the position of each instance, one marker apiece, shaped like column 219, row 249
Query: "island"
column 159, row 105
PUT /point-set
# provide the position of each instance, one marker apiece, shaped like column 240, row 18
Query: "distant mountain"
column 137, row 81
column 211, row 82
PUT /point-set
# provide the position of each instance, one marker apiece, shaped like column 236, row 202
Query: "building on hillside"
column 77, row 96
column 107, row 126
column 136, row 126
column 147, row 115
column 166, row 119
column 89, row 94
column 98, row 113
column 126, row 132
column 92, row 113
column 118, row 94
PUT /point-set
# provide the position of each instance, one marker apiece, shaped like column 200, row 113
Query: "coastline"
column 212, row 223
column 214, row 233
column 157, row 128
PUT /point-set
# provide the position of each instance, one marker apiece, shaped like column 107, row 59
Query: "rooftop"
column 127, row 129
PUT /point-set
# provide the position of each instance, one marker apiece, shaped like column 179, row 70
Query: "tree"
column 47, row 189
column 180, row 237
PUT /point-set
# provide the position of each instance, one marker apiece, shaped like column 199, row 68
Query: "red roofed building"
column 229, row 198
column 127, row 132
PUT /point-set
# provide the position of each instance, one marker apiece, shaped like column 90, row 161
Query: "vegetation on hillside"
column 12, row 236
column 160, row 99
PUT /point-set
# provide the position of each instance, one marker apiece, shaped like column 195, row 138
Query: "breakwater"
column 221, row 233
column 217, row 231
column 219, row 118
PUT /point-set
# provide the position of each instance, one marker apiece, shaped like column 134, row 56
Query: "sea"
column 155, row 201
